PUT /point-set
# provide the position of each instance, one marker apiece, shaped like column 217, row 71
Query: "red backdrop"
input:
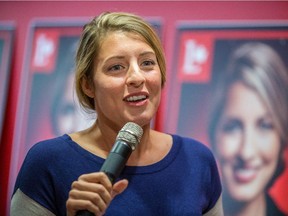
column 22, row 13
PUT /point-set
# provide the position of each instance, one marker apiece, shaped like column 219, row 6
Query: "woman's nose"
column 135, row 76
column 248, row 146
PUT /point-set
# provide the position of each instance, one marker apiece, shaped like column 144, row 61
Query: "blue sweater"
column 185, row 182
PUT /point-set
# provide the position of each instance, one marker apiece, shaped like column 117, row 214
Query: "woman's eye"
column 148, row 63
column 231, row 126
column 265, row 124
column 115, row 68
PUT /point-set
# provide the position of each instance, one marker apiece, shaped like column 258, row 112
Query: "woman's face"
column 248, row 145
column 127, row 80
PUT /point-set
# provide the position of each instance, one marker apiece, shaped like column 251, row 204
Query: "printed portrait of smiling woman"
column 248, row 128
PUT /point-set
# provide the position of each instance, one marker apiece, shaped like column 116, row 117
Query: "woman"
column 248, row 128
column 120, row 72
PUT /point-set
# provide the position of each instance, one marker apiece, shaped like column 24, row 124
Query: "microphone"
column 126, row 141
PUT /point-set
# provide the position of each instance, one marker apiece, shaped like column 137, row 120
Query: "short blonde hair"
column 94, row 34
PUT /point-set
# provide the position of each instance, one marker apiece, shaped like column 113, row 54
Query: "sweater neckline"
column 162, row 164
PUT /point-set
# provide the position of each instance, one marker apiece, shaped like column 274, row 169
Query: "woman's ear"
column 87, row 87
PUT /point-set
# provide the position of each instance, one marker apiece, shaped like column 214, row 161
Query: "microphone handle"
column 116, row 160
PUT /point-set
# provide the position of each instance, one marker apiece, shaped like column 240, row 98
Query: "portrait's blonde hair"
column 259, row 67
column 94, row 34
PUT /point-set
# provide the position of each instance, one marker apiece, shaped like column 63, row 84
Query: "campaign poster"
column 46, row 97
column 208, row 54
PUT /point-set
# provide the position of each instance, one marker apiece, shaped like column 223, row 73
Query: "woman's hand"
column 93, row 192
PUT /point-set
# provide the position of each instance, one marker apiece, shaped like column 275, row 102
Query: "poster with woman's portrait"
column 230, row 91
column 50, row 107
column 47, row 105
column 6, row 49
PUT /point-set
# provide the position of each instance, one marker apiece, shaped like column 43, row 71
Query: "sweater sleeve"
column 35, row 178
column 23, row 205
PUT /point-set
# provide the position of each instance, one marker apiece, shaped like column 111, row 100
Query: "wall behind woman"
column 23, row 13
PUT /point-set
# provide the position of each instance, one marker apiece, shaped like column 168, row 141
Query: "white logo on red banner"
column 45, row 51
column 195, row 57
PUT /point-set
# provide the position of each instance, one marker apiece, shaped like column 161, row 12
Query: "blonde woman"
column 120, row 72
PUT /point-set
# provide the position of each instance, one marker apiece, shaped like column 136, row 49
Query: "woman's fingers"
column 98, row 191
column 119, row 187
column 99, row 177
column 92, row 198
column 93, row 192
column 74, row 206
column 90, row 192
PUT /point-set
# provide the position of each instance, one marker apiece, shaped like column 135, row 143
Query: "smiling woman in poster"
column 248, row 128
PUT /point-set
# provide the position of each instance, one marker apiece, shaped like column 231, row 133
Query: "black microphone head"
column 130, row 133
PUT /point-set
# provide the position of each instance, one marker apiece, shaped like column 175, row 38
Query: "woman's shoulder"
column 49, row 147
column 192, row 148
column 191, row 144
column 188, row 144
column 44, row 156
